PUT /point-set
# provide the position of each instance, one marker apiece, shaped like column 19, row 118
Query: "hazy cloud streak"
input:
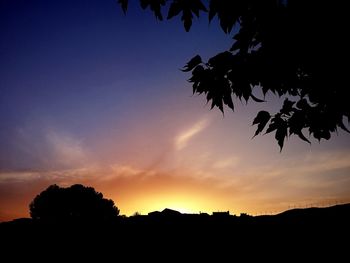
column 184, row 137
column 66, row 150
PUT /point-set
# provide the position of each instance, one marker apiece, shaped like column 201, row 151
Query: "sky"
column 89, row 95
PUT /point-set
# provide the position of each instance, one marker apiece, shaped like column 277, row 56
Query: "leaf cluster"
column 296, row 49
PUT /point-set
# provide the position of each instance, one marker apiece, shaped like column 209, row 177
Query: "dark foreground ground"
column 301, row 235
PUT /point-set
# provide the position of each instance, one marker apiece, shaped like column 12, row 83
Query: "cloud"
column 326, row 161
column 14, row 177
column 119, row 170
column 44, row 149
column 185, row 136
column 76, row 175
column 269, row 187
column 64, row 176
column 228, row 162
column 65, row 150
column 312, row 175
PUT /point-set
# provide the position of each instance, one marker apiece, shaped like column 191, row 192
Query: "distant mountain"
column 335, row 210
column 320, row 214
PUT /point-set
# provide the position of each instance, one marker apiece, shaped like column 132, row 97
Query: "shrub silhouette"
column 74, row 203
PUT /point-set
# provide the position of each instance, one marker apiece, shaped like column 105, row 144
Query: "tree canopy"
column 293, row 48
column 74, row 203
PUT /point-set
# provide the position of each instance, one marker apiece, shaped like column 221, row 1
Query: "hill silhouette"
column 312, row 232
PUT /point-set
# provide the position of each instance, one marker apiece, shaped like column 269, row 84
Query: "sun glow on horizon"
column 182, row 204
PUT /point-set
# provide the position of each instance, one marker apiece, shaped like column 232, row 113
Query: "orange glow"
column 143, row 191
column 144, row 194
column 181, row 203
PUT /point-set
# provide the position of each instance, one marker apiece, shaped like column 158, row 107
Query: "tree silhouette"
column 293, row 48
column 74, row 203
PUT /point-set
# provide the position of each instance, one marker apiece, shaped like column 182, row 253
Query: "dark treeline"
column 312, row 232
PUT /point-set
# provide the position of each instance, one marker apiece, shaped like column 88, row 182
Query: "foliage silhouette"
column 74, row 203
column 292, row 48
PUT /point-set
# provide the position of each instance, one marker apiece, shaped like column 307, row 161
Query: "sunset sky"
column 91, row 96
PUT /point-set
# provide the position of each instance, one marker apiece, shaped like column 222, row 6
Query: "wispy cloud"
column 18, row 177
column 326, row 161
column 43, row 149
column 296, row 178
column 185, row 136
column 66, row 150
column 64, row 176
column 75, row 175
column 228, row 162
column 120, row 170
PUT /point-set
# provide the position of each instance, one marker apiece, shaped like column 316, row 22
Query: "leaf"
column 174, row 10
column 187, row 19
column 217, row 101
column 281, row 133
column 188, row 8
column 144, row 3
column 228, row 100
column 274, row 123
column 280, row 125
column 196, row 6
column 220, row 105
column 287, row 106
column 212, row 9
column 124, row 4
column 302, row 104
column 195, row 87
column 256, row 99
column 271, row 128
column 247, row 91
column 201, row 6
column 296, row 123
column 302, row 136
column 192, row 63
column 325, row 134
column 341, row 125
column 265, row 89
column 157, row 13
column 155, row 6
column 209, row 97
column 235, row 46
column 222, row 59
column 315, row 133
column 262, row 118
column 197, row 74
